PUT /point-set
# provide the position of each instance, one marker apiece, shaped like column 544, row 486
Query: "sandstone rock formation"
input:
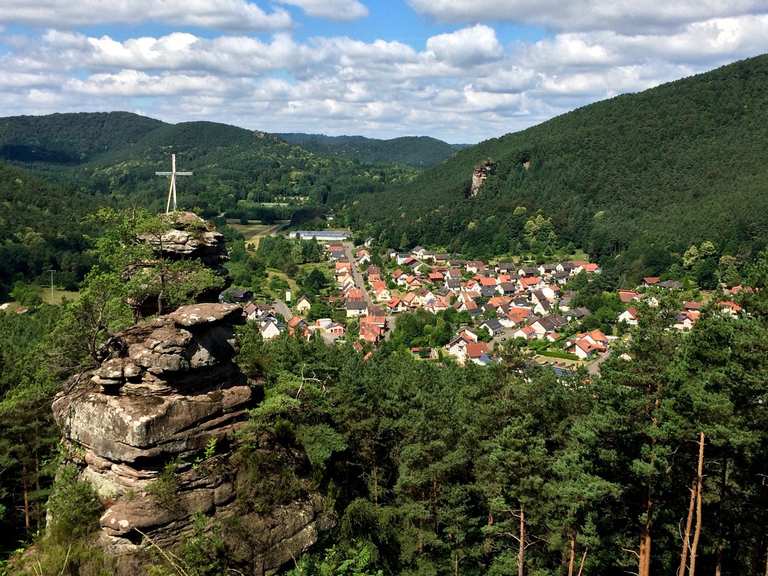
column 189, row 237
column 168, row 391
column 479, row 176
column 181, row 236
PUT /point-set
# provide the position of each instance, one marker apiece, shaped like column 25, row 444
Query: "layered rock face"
column 183, row 236
column 190, row 237
column 168, row 391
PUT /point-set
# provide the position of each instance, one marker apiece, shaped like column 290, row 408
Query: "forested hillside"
column 41, row 228
column 60, row 168
column 117, row 154
column 420, row 151
column 634, row 180
column 70, row 138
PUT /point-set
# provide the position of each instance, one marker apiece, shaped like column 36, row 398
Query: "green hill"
column 635, row 180
column 41, row 228
column 419, row 151
column 70, row 138
column 237, row 171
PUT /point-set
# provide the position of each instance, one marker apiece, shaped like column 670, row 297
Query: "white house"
column 303, row 305
column 269, row 329
column 629, row 317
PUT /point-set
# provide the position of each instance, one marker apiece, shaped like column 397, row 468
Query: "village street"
column 356, row 275
column 283, row 309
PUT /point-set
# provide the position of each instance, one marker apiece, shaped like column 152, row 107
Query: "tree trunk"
column 375, row 485
column 644, row 556
column 699, row 489
column 644, row 566
column 581, row 564
column 521, row 548
column 687, row 533
column 571, row 554
column 719, row 563
column 25, row 490
column 766, row 563
column 456, row 563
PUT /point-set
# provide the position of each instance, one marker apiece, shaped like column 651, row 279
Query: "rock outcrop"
column 180, row 236
column 168, row 392
column 479, row 176
column 189, row 237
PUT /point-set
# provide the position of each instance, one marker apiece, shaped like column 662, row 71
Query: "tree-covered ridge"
column 70, row 138
column 41, row 229
column 420, row 151
column 235, row 170
column 116, row 155
column 634, row 180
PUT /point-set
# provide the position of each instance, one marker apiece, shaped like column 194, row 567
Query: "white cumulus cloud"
column 223, row 14
column 621, row 15
column 331, row 9
column 463, row 85
column 473, row 45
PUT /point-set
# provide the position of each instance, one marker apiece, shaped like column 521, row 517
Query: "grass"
column 254, row 231
column 559, row 355
column 58, row 296
column 275, row 273
column 549, row 359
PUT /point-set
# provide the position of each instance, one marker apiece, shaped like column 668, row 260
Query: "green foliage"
column 320, row 442
column 419, row 151
column 40, row 229
column 26, row 295
column 357, row 560
column 165, row 488
column 634, row 180
column 203, row 553
column 439, row 460
column 73, row 506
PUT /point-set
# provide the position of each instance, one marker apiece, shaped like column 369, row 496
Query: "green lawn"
column 56, row 297
column 254, row 231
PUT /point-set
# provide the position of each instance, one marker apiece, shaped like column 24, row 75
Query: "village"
column 531, row 306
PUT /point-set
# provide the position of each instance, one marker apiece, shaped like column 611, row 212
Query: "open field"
column 275, row 273
column 255, row 231
column 58, row 296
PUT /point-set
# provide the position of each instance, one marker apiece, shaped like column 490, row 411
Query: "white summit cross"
column 172, row 189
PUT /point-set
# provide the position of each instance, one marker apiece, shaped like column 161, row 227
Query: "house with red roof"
column 380, row 291
column 729, row 308
column 514, row 316
column 627, row 296
column 586, row 344
column 628, row 317
column 525, row 332
column 529, row 282
column 686, row 320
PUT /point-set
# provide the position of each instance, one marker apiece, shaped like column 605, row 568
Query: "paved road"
column 356, row 276
column 282, row 309
column 594, row 367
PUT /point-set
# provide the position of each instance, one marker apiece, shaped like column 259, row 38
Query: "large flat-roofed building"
column 321, row 235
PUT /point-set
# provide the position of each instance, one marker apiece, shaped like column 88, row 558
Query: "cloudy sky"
column 461, row 70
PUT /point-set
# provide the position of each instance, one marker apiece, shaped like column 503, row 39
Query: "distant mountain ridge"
column 240, row 172
column 70, row 138
column 635, row 180
column 75, row 138
column 419, row 151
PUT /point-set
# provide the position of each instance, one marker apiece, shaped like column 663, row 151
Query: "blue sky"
column 461, row 70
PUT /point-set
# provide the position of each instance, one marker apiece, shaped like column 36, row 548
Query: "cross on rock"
column 172, row 189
